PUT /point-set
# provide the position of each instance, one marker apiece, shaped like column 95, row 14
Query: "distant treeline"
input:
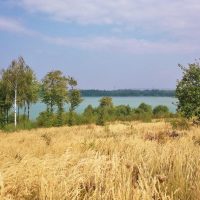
column 127, row 93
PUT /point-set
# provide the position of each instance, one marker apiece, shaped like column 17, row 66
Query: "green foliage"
column 161, row 111
column 60, row 119
column 2, row 120
column 24, row 124
column 89, row 115
column 46, row 119
column 123, row 112
column 146, row 117
column 31, row 89
column 54, row 90
column 74, row 99
column 180, row 124
column 71, row 118
column 106, row 102
column 105, row 111
column 145, row 108
column 142, row 116
column 188, row 91
column 17, row 77
column 144, row 112
column 101, row 118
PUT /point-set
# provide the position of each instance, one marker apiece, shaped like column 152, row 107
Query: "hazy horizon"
column 113, row 44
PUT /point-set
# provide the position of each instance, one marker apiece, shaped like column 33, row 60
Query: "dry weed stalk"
column 125, row 161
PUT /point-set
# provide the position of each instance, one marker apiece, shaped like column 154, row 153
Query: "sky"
column 103, row 44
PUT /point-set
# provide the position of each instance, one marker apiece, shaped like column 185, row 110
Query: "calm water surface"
column 94, row 101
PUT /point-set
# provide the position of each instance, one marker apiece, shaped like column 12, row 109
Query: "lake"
column 94, row 101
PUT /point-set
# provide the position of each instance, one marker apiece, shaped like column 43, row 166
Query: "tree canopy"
column 54, row 90
column 188, row 91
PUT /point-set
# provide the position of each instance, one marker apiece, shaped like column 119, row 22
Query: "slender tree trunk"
column 24, row 109
column 18, row 113
column 7, row 115
column 28, row 104
column 3, row 111
column 51, row 106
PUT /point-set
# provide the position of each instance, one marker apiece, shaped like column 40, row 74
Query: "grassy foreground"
column 121, row 161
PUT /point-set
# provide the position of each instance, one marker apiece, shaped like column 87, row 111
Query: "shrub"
column 26, row 125
column 72, row 118
column 60, row 119
column 2, row 121
column 180, row 124
column 143, row 113
column 145, row 108
column 145, row 117
column 101, row 118
column 122, row 112
column 46, row 119
column 89, row 115
column 161, row 111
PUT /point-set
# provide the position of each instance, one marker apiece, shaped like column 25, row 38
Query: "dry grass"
column 121, row 161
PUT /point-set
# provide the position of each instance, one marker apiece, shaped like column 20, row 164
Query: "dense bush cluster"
column 105, row 112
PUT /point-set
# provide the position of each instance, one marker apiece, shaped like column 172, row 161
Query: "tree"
column 106, row 102
column 105, row 110
column 4, row 105
column 13, row 83
column 54, row 90
column 188, row 91
column 20, row 84
column 101, row 118
column 74, row 98
column 31, row 88
column 161, row 111
column 89, row 114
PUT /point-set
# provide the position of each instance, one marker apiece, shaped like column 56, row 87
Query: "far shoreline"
column 128, row 93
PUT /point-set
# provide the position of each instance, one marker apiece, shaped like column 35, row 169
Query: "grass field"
column 120, row 161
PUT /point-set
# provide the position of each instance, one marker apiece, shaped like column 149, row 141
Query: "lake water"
column 94, row 101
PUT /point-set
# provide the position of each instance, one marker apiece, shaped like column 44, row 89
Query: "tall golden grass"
column 121, row 161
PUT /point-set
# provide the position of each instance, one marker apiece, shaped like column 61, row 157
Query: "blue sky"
column 104, row 44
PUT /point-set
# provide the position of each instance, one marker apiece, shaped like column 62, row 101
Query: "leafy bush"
column 26, row 125
column 101, row 118
column 180, row 124
column 74, row 119
column 46, row 119
column 145, row 108
column 89, row 115
column 161, row 111
column 144, row 113
column 122, row 112
column 2, row 121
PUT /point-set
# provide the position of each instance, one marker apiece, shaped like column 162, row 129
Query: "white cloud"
column 170, row 15
column 11, row 25
column 128, row 45
column 116, row 44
